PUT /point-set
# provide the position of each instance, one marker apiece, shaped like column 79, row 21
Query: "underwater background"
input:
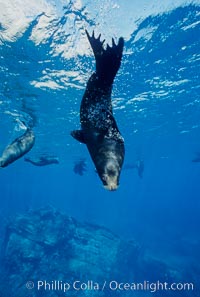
column 45, row 62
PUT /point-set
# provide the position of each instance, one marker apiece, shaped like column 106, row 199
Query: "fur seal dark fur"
column 99, row 130
column 18, row 148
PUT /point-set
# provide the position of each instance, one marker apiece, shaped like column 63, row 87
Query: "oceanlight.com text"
column 150, row 286
column 112, row 285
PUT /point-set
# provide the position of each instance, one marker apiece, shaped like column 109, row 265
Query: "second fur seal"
column 18, row 148
column 99, row 130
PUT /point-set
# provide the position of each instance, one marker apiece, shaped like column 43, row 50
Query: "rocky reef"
column 47, row 253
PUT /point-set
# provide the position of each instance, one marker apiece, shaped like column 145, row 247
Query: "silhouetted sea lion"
column 80, row 167
column 139, row 165
column 140, row 168
column 18, row 148
column 42, row 160
column 99, row 129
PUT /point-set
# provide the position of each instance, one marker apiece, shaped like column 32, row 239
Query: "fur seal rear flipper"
column 18, row 148
column 99, row 129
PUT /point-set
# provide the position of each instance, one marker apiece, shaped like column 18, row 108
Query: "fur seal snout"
column 110, row 176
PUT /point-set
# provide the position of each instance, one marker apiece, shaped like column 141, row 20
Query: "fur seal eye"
column 104, row 177
column 104, row 180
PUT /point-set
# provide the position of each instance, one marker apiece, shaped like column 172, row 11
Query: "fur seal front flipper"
column 99, row 130
column 18, row 148
column 78, row 135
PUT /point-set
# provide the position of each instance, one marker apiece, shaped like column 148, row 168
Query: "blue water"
column 156, row 104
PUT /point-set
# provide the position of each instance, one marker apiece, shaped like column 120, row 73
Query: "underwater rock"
column 45, row 252
column 46, row 245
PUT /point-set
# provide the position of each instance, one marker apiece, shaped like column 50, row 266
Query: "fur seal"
column 99, row 129
column 18, row 148
column 42, row 160
column 139, row 165
column 80, row 167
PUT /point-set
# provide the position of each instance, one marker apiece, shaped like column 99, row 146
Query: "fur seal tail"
column 108, row 60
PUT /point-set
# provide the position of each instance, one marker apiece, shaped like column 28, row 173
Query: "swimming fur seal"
column 139, row 165
column 99, row 130
column 19, row 147
column 42, row 160
column 80, row 167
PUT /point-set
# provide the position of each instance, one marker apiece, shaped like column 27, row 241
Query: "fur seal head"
column 108, row 160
